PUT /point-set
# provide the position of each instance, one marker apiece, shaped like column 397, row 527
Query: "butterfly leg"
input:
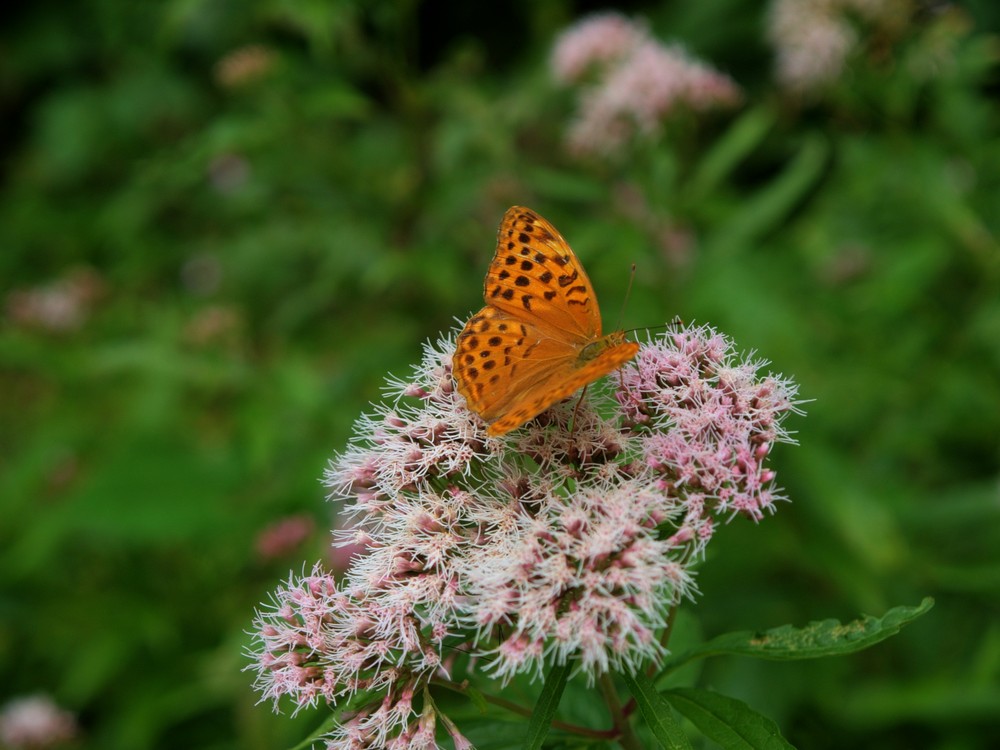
column 576, row 409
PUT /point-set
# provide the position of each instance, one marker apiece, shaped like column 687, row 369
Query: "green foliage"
column 545, row 707
column 732, row 724
column 258, row 209
column 656, row 712
column 818, row 639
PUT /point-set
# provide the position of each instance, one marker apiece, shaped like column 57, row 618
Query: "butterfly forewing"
column 536, row 276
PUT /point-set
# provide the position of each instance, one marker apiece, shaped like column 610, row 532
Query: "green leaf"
column 765, row 210
column 732, row 148
column 817, row 639
column 656, row 712
column 477, row 699
column 728, row 721
column 545, row 709
column 330, row 722
column 324, row 728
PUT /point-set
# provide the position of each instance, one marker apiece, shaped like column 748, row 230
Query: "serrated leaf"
column 815, row 640
column 728, row 721
column 545, row 709
column 656, row 712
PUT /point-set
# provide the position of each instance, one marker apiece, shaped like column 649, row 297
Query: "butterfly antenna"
column 628, row 293
column 662, row 326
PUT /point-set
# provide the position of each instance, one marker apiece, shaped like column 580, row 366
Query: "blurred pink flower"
column 811, row 42
column 548, row 545
column 643, row 91
column 284, row 536
column 813, row 39
column 640, row 83
column 244, row 65
column 214, row 326
column 35, row 722
column 61, row 306
column 593, row 44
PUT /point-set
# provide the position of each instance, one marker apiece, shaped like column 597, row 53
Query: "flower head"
column 565, row 541
column 284, row 536
column 813, row 39
column 62, row 306
column 244, row 65
column 593, row 44
column 639, row 82
column 35, row 722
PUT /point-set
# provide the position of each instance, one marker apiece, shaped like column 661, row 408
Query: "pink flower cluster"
column 319, row 641
column 813, row 39
column 583, row 577
column 63, row 305
column 553, row 544
column 593, row 44
column 632, row 83
column 34, row 722
column 713, row 422
column 284, row 536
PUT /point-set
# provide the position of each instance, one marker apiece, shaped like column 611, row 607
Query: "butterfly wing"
column 538, row 340
column 536, row 277
column 510, row 371
column 560, row 383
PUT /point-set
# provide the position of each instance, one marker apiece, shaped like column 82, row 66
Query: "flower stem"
column 598, row 734
column 651, row 671
column 626, row 737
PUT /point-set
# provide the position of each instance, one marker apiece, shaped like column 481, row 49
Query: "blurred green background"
column 223, row 223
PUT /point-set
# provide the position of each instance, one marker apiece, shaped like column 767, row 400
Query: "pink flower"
column 813, row 39
column 640, row 83
column 61, row 306
column 553, row 544
column 713, row 422
column 244, row 65
column 637, row 96
column 283, row 537
column 594, row 43
column 585, row 577
column 35, row 722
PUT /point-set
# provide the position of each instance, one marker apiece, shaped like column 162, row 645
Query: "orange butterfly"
column 538, row 340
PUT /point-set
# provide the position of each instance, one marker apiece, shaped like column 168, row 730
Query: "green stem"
column 597, row 734
column 626, row 737
column 664, row 639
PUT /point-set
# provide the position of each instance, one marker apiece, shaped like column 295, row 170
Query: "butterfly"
column 538, row 340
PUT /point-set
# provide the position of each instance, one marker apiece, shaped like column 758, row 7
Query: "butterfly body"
column 538, row 339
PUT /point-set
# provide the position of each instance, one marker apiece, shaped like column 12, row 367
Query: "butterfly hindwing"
column 560, row 383
column 498, row 357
